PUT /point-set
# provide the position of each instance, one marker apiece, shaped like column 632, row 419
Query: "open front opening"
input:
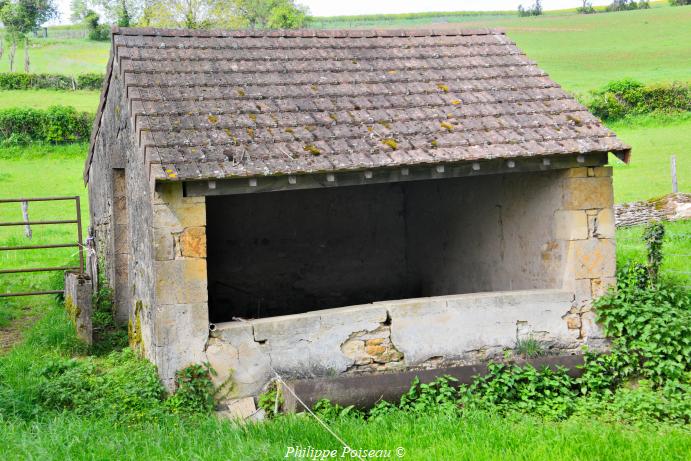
column 290, row 252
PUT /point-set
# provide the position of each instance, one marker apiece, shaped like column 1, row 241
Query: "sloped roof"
column 214, row 104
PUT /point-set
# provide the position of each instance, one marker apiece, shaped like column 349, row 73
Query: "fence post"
column 675, row 186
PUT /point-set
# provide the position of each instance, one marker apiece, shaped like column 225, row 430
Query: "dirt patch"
column 12, row 334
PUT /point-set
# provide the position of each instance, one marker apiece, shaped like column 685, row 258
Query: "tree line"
column 191, row 14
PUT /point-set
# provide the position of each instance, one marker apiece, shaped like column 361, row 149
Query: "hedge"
column 629, row 97
column 56, row 124
column 21, row 81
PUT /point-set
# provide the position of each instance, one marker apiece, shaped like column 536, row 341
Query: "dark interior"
column 280, row 253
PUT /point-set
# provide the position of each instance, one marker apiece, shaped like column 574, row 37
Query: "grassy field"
column 40, row 99
column 64, row 56
column 28, row 434
column 46, row 171
column 581, row 52
column 653, row 140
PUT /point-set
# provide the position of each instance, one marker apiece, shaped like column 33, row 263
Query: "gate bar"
column 33, row 247
column 31, row 293
column 38, row 269
column 34, row 223
column 37, row 199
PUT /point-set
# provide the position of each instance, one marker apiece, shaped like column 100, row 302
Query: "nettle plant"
column 645, row 377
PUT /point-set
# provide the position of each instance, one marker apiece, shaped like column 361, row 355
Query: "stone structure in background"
column 319, row 203
column 672, row 207
column 78, row 302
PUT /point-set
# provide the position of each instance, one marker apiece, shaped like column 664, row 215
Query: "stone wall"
column 389, row 336
column 671, row 207
column 180, row 318
column 586, row 224
column 78, row 303
column 120, row 203
column 567, row 222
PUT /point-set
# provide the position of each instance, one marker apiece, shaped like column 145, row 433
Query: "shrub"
column 629, row 97
column 121, row 385
column 91, row 81
column 195, row 390
column 22, row 81
column 56, row 124
column 679, row 2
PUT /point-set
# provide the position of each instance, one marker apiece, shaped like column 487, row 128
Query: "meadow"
column 581, row 52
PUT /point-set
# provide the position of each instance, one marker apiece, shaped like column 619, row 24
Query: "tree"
column 78, row 10
column 20, row 17
column 679, row 2
column 123, row 12
column 287, row 17
column 275, row 14
column 586, row 7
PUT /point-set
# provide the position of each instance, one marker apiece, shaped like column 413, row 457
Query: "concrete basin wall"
column 395, row 335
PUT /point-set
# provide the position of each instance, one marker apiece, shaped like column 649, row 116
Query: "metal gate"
column 78, row 244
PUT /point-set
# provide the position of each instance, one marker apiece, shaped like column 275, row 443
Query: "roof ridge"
column 301, row 33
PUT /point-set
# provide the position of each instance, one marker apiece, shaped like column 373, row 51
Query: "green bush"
column 91, row 81
column 56, row 124
column 628, row 97
column 21, row 81
column 195, row 390
column 121, row 385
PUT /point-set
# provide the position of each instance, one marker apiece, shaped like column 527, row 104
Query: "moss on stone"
column 390, row 142
column 447, row 126
column 443, row 87
column 312, row 149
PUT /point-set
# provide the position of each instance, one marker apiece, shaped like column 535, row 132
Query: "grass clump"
column 529, row 348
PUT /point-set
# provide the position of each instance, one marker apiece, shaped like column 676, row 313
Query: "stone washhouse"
column 331, row 203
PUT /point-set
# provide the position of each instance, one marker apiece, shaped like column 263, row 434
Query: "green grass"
column 581, row 52
column 82, row 100
column 654, row 140
column 38, row 172
column 476, row 437
column 65, row 56
column 28, row 433
column 676, row 249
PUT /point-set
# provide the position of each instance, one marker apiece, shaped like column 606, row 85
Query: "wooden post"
column 25, row 215
column 675, row 186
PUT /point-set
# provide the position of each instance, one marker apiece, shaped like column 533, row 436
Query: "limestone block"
column 601, row 285
column 594, row 258
column 78, row 292
column 583, row 291
column 193, row 242
column 181, row 281
column 601, row 224
column 180, row 334
column 571, row 225
column 176, row 218
column 585, row 193
column 578, row 172
column 234, row 354
column 164, row 247
column 589, row 327
column 602, row 171
column 355, row 350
